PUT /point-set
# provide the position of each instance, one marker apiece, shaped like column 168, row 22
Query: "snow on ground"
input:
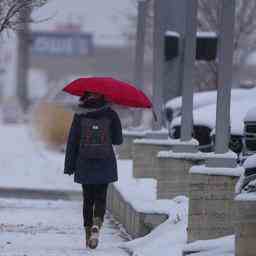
column 51, row 228
column 223, row 246
column 24, row 163
column 168, row 238
column 141, row 194
column 54, row 228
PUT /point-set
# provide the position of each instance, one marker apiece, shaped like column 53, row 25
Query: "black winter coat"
column 92, row 171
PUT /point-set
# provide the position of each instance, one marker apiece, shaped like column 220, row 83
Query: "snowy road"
column 51, row 228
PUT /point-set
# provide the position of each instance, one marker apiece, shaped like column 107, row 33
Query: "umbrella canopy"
column 115, row 91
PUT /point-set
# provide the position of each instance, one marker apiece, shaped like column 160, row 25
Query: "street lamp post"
column 23, row 35
column 187, row 76
column 140, row 52
column 158, row 61
column 188, row 69
column 225, row 66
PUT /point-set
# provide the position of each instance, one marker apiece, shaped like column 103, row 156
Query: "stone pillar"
column 124, row 151
column 145, row 156
column 173, row 173
column 139, row 54
column 245, row 225
column 211, row 202
column 23, row 48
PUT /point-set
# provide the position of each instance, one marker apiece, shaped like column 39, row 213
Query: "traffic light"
column 171, row 45
column 206, row 46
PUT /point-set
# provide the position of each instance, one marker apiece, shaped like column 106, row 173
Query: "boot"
column 87, row 235
column 95, row 232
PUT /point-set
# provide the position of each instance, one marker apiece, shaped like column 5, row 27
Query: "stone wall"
column 124, row 151
column 245, row 227
column 145, row 159
column 211, row 206
column 136, row 223
column 173, row 176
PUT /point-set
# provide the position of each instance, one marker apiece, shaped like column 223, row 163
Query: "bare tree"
column 208, row 20
column 10, row 11
column 244, row 42
column 130, row 34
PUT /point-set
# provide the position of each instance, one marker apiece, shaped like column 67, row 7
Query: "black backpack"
column 96, row 140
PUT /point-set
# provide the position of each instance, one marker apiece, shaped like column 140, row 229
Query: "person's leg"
column 100, row 197
column 100, row 201
column 88, row 203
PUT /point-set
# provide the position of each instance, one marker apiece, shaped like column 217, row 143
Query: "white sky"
column 106, row 18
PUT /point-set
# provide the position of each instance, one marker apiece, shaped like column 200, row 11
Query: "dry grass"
column 51, row 124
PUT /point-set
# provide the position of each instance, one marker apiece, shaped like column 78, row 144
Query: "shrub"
column 51, row 124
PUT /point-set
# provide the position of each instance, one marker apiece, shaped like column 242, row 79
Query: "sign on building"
column 61, row 44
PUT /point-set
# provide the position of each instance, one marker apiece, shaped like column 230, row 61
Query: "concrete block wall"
column 211, row 206
column 245, row 227
column 145, row 159
column 137, row 224
column 124, row 151
column 173, row 176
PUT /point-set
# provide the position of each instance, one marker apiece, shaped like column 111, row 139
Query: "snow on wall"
column 171, row 142
column 217, row 246
column 141, row 193
column 193, row 156
column 202, row 169
column 246, row 197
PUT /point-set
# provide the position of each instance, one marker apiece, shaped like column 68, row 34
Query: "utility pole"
column 23, row 47
column 139, row 53
column 168, row 16
column 225, row 64
column 175, row 12
column 188, row 70
column 158, row 61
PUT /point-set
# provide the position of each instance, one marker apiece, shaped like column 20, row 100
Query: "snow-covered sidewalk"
column 54, row 228
column 25, row 164
column 51, row 228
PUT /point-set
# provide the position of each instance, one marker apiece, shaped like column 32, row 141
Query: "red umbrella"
column 114, row 90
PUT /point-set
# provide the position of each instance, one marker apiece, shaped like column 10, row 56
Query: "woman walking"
column 90, row 157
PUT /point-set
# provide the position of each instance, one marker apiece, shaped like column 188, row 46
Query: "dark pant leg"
column 100, row 200
column 88, row 203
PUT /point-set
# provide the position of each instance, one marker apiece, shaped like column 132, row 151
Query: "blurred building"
column 67, row 52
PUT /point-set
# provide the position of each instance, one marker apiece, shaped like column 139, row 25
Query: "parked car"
column 204, row 121
column 201, row 99
column 247, row 182
column 202, row 127
column 250, row 132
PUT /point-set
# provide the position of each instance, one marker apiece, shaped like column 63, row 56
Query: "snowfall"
column 54, row 227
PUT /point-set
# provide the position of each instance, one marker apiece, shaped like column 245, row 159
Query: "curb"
column 136, row 223
column 41, row 194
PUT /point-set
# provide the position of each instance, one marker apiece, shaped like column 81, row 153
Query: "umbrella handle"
column 154, row 115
